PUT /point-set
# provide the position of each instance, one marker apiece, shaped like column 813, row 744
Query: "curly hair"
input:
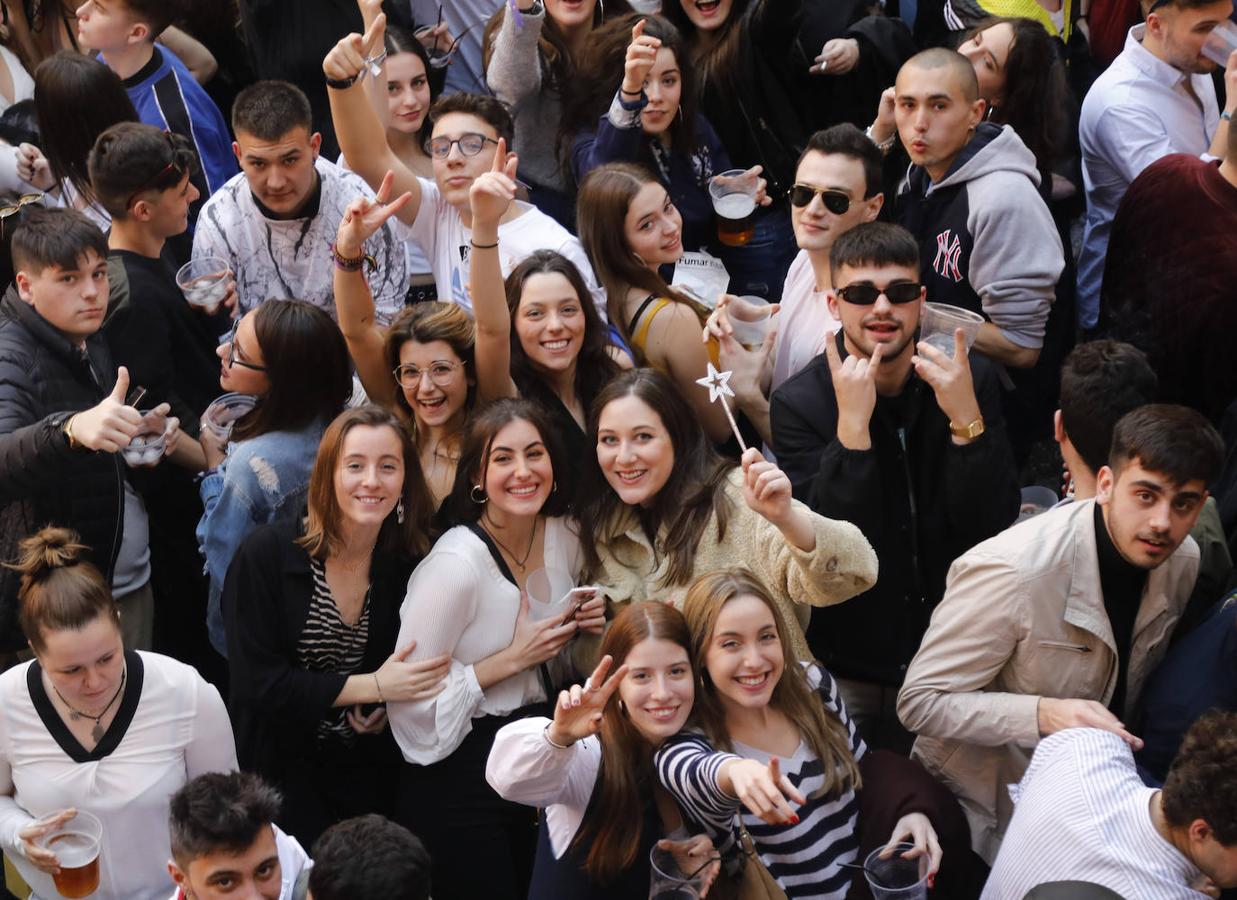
column 1202, row 782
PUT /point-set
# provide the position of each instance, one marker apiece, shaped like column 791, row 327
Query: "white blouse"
column 460, row 603
column 171, row 726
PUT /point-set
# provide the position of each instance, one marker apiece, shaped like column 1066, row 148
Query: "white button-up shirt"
column 1138, row 111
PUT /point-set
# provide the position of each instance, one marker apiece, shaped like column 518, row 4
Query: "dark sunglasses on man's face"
column 835, row 201
column 867, row 294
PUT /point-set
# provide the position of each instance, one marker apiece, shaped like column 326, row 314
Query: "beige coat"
column 1023, row 618
column 842, row 565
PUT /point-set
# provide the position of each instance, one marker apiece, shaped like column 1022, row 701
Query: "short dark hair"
column 131, row 158
column 1147, row 7
column 1202, row 781
column 487, row 109
column 944, row 58
column 874, row 244
column 54, row 237
column 1173, row 440
column 156, row 14
column 219, row 812
column 1100, row 382
column 270, row 109
column 369, row 858
column 847, row 140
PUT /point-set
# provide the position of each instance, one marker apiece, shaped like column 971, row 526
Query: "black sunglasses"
column 866, row 294
column 835, row 201
column 184, row 162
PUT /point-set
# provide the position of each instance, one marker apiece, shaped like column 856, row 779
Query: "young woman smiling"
column 590, row 767
column 543, row 339
column 467, row 600
column 774, row 733
column 659, row 323
column 666, row 508
column 312, row 611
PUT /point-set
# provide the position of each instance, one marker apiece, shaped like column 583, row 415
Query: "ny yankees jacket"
column 986, row 239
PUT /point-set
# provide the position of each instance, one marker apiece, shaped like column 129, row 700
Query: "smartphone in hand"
column 575, row 598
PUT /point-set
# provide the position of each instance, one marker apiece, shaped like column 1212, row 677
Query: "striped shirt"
column 1082, row 814
column 805, row 859
column 328, row 644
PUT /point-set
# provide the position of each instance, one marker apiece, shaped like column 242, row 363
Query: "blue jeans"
column 759, row 267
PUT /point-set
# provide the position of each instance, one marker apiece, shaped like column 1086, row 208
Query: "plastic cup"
column 1221, row 42
column 76, row 845
column 147, row 446
column 204, row 281
column 751, row 332
column 733, row 193
column 219, row 416
column 645, row 7
column 896, row 878
column 668, row 881
column 439, row 58
column 547, row 592
column 938, row 322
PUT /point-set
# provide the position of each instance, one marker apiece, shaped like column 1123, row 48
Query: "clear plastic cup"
column 219, row 416
column 1221, row 42
column 204, row 281
column 750, row 330
column 669, row 880
column 896, row 878
column 76, row 844
column 733, row 193
column 146, row 448
column 938, row 322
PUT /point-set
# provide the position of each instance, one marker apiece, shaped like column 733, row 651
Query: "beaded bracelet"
column 353, row 264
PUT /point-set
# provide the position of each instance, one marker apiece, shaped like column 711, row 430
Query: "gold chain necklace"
column 519, row 563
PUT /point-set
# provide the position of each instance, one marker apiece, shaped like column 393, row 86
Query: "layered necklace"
column 96, row 733
column 520, row 562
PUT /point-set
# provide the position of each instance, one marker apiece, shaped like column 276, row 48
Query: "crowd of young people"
column 428, row 518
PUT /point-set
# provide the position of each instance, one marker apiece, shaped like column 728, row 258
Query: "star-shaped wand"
column 718, row 384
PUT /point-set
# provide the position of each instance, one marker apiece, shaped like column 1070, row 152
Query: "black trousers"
column 481, row 844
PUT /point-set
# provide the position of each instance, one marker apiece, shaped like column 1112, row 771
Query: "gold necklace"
column 519, row 563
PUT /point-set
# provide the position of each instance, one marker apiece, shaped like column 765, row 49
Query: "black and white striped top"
column 805, row 859
column 328, row 644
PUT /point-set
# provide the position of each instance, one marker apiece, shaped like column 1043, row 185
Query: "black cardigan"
column 276, row 705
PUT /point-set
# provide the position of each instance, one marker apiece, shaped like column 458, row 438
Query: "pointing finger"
column 377, row 26
column 500, row 156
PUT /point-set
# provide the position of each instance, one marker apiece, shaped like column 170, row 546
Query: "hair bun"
column 49, row 549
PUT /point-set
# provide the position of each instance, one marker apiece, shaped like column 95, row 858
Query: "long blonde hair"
column 793, row 695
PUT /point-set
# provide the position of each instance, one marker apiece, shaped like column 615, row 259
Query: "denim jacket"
column 261, row 480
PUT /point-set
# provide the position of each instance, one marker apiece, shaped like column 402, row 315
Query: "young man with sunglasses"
column 905, row 442
column 467, row 130
column 275, row 223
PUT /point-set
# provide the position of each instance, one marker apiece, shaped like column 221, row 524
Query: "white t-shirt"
column 416, row 262
column 292, row 861
column 291, row 258
column 804, row 321
column 23, row 84
column 174, row 729
column 441, row 233
column 1082, row 814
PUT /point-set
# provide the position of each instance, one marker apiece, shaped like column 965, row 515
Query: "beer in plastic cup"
column 733, row 193
column 76, row 845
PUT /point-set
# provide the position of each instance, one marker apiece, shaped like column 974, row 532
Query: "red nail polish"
column 932, row 881
column 794, row 819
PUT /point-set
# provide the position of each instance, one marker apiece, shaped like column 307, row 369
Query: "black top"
column 1122, row 584
column 134, row 676
column 167, row 345
column 275, row 704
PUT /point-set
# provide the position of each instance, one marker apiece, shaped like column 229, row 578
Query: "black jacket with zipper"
column 44, row 379
column 920, row 499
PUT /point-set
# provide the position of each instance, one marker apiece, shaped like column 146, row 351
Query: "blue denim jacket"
column 261, row 480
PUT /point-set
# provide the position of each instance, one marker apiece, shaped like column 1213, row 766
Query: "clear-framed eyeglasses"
column 440, row 372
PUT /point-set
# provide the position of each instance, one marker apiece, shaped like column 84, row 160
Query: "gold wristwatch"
column 967, row 432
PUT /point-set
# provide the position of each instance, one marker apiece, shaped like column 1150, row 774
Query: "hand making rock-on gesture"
column 854, row 385
column 950, row 379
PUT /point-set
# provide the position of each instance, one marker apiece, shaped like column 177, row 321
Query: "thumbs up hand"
column 110, row 425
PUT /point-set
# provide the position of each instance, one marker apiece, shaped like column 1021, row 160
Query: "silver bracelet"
column 545, row 733
column 882, row 146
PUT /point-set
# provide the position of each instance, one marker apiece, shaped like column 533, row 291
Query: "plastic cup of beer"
column 734, row 201
column 76, row 845
column 1221, row 42
column 204, row 281
column 938, row 322
column 750, row 326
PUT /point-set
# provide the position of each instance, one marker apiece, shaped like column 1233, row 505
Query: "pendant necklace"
column 519, row 563
column 96, row 733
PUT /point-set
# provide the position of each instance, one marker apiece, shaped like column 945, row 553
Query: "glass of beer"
column 76, row 845
column 734, row 200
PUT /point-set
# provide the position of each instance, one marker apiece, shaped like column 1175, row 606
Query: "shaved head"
column 941, row 58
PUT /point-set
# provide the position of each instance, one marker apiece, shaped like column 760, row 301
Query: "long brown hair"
column 693, row 494
column 324, row 524
column 601, row 209
column 425, row 323
column 61, row 590
column 717, row 66
column 612, row 830
column 793, row 695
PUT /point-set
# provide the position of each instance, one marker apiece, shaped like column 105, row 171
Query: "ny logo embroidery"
column 947, row 254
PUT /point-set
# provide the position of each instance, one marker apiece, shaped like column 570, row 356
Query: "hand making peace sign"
column 363, row 217
column 578, row 711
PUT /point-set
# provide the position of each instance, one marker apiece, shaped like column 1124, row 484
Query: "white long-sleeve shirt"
column 171, row 726
column 459, row 603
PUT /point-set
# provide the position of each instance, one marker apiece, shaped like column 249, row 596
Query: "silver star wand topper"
column 718, row 384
